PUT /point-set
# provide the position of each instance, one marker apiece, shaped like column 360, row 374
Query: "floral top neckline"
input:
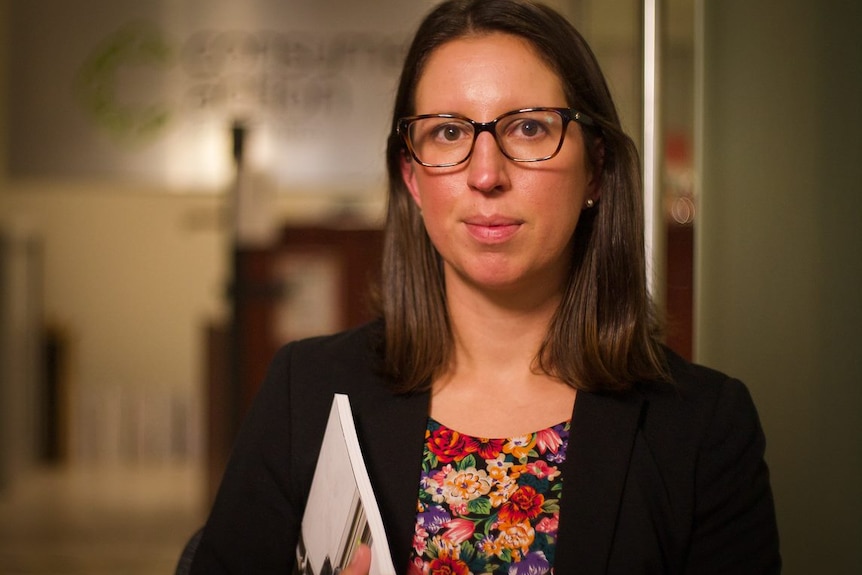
column 488, row 505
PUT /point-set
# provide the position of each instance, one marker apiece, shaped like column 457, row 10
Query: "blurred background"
column 187, row 185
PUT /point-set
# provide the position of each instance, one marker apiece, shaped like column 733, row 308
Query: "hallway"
column 109, row 521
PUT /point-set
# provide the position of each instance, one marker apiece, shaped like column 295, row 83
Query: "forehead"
column 491, row 73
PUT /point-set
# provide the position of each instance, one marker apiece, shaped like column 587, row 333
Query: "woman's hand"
column 361, row 563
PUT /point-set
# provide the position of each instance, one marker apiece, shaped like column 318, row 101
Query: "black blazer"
column 662, row 479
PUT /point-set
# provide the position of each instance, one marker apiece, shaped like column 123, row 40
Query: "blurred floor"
column 117, row 521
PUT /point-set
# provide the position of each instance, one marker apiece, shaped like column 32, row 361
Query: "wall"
column 779, row 265
column 130, row 280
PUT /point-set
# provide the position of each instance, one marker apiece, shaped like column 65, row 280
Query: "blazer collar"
column 601, row 439
column 393, row 439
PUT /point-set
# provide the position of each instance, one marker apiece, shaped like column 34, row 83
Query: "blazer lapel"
column 393, row 437
column 602, row 435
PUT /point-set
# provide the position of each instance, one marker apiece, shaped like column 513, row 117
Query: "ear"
column 408, row 174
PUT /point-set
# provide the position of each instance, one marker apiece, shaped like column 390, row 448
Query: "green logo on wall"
column 138, row 52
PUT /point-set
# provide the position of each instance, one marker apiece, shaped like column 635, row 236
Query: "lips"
column 492, row 229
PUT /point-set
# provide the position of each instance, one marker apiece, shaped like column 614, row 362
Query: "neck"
column 493, row 374
column 497, row 336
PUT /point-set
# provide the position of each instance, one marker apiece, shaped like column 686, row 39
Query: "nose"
column 487, row 169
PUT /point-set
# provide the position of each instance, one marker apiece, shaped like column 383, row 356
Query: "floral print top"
column 488, row 505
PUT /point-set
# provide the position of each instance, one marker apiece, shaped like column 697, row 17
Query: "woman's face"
column 499, row 225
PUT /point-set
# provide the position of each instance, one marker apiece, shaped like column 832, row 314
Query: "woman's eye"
column 529, row 129
column 450, row 132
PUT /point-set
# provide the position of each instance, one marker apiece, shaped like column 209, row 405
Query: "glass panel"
column 677, row 175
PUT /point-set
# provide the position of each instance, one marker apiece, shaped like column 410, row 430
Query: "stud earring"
column 590, row 203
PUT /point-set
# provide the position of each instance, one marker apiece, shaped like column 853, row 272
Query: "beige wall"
column 780, row 254
column 130, row 279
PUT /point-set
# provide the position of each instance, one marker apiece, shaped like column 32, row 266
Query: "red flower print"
column 485, row 448
column 548, row 440
column 447, row 566
column 541, row 470
column 548, row 525
column 525, row 503
column 417, row 567
column 459, row 530
column 447, row 445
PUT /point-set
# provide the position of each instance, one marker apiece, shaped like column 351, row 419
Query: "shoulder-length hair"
column 602, row 336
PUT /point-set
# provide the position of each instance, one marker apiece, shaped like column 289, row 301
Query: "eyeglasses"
column 527, row 135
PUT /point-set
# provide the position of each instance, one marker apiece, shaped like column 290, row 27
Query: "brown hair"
column 602, row 336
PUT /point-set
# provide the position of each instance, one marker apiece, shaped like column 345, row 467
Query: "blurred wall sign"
column 147, row 91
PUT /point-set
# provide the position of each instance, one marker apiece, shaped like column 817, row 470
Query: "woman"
column 515, row 409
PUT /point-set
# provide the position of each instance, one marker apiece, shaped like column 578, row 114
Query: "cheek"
column 560, row 203
column 436, row 217
column 435, row 196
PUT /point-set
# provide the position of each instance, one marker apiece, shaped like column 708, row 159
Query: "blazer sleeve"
column 254, row 522
column 734, row 526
